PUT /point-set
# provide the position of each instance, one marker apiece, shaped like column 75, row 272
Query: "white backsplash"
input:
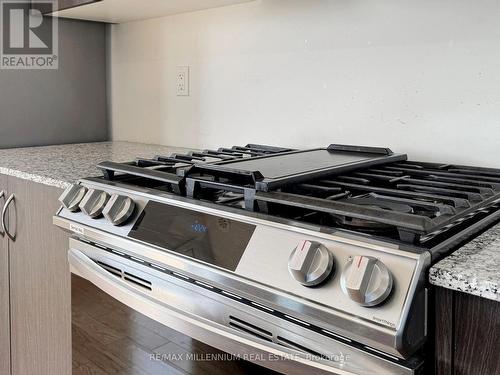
column 421, row 77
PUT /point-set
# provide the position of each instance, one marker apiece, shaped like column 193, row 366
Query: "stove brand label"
column 384, row 322
column 77, row 229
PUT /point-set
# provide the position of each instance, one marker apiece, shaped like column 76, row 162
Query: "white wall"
column 421, row 77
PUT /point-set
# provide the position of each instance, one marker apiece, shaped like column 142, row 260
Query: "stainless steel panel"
column 265, row 260
column 205, row 316
column 385, row 331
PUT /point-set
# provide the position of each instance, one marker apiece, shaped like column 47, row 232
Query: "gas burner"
column 229, row 198
column 370, row 226
column 375, row 202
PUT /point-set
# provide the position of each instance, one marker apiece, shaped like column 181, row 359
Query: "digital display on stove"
column 197, row 235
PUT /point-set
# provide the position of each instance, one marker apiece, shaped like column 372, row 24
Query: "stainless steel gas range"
column 300, row 260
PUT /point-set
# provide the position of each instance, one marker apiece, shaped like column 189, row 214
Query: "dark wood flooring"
column 110, row 338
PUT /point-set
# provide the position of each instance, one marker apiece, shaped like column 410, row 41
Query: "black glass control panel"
column 205, row 237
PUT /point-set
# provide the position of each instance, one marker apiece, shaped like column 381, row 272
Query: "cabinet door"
column 61, row 5
column 40, row 283
column 4, row 293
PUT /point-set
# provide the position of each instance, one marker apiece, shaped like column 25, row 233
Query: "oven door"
column 218, row 318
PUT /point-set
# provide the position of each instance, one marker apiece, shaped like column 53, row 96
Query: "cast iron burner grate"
column 417, row 200
column 363, row 189
column 370, row 226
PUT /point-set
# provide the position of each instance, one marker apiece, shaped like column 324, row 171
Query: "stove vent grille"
column 264, row 334
column 249, row 328
column 127, row 276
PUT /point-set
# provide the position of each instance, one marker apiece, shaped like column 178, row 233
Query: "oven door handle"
column 201, row 328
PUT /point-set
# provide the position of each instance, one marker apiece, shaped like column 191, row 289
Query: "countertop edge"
column 462, row 283
column 473, row 268
column 34, row 178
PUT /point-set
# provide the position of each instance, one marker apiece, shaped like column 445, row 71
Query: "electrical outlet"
column 182, row 81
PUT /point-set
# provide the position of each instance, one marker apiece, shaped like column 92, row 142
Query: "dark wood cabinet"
column 124, row 11
column 61, row 5
column 466, row 334
column 66, row 4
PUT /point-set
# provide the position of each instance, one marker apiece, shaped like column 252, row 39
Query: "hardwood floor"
column 110, row 338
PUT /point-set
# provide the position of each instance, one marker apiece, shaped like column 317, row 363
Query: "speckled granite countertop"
column 62, row 165
column 474, row 268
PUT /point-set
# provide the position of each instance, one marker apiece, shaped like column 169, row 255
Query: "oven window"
column 208, row 238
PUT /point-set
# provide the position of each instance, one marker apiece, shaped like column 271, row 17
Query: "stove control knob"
column 310, row 263
column 94, row 202
column 118, row 209
column 366, row 280
column 72, row 197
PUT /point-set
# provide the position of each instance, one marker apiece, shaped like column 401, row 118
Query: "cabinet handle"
column 4, row 213
column 2, row 195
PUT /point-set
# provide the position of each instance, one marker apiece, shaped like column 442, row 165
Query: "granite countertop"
column 63, row 165
column 474, row 268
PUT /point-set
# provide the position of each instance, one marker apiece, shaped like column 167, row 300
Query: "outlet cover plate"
column 182, row 81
